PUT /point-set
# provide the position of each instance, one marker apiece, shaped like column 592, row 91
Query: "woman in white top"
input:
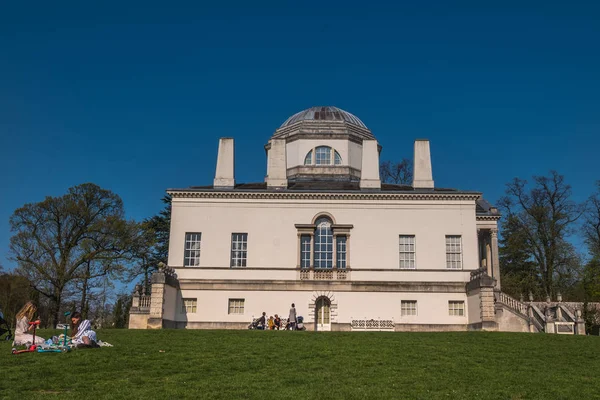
column 22, row 335
column 81, row 330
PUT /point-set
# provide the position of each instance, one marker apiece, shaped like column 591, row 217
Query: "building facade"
column 323, row 232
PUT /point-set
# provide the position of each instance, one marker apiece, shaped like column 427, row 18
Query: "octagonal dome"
column 324, row 114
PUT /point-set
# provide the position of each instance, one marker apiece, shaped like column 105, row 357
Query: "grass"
column 255, row 364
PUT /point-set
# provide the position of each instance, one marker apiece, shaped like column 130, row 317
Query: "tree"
column 15, row 291
column 519, row 272
column 399, row 173
column 57, row 238
column 591, row 226
column 544, row 217
column 121, row 311
column 151, row 244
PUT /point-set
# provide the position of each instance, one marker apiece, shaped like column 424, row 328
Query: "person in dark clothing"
column 260, row 323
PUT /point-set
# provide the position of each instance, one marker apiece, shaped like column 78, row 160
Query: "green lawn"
column 255, row 364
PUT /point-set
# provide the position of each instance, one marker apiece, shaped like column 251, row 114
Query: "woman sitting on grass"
column 81, row 331
column 22, row 335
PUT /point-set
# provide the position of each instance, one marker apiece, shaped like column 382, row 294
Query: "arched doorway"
column 323, row 314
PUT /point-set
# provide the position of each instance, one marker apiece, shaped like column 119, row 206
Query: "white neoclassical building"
column 322, row 231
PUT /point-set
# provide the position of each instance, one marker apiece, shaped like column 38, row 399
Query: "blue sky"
column 134, row 96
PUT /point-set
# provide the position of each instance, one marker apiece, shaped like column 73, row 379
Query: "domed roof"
column 324, row 114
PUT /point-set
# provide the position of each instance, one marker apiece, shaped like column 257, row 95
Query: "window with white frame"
column 192, row 249
column 407, row 251
column 189, row 306
column 408, row 307
column 323, row 155
column 308, row 158
column 323, row 244
column 337, row 159
column 236, row 306
column 340, row 253
column 456, row 308
column 305, row 251
column 453, row 252
column 239, row 249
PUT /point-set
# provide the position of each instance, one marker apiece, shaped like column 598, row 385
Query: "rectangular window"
column 323, row 155
column 305, row 251
column 340, row 255
column 408, row 307
column 189, row 306
column 192, row 249
column 239, row 249
column 407, row 251
column 456, row 308
column 453, row 252
column 236, row 306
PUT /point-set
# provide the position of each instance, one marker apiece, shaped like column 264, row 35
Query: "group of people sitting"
column 81, row 329
column 274, row 323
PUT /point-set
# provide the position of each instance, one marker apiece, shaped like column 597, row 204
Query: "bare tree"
column 544, row 215
column 55, row 239
column 399, row 173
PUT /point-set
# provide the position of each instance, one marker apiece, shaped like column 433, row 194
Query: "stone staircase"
column 513, row 315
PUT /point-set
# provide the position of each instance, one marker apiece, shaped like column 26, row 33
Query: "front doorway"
column 323, row 314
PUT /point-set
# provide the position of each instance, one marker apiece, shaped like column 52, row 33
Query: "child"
column 271, row 323
column 277, row 322
column 22, row 335
column 81, row 331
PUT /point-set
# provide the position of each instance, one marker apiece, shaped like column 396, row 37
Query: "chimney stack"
column 369, row 174
column 277, row 165
column 224, row 175
column 422, row 174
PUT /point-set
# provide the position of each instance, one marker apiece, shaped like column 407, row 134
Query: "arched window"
column 308, row 158
column 323, row 156
column 338, row 158
column 323, row 244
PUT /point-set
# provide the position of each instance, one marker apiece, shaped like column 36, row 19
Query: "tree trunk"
column 55, row 306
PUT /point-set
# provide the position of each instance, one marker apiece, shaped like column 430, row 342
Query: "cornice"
column 285, row 195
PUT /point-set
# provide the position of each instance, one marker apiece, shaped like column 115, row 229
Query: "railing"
column 511, row 303
column 372, row 324
column 538, row 319
column 145, row 302
column 324, row 274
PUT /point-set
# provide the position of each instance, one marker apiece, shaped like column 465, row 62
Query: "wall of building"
column 473, row 305
column 373, row 242
column 297, row 150
column 432, row 308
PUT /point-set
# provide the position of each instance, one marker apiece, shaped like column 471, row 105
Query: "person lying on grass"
column 81, row 331
column 24, row 316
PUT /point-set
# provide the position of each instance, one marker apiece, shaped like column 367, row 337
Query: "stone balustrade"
column 324, row 274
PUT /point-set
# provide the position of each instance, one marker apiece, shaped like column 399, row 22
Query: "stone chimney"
column 224, row 175
column 422, row 175
column 369, row 174
column 277, row 165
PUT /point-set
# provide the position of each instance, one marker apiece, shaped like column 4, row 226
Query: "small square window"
column 189, row 306
column 236, row 306
column 456, row 308
column 408, row 307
